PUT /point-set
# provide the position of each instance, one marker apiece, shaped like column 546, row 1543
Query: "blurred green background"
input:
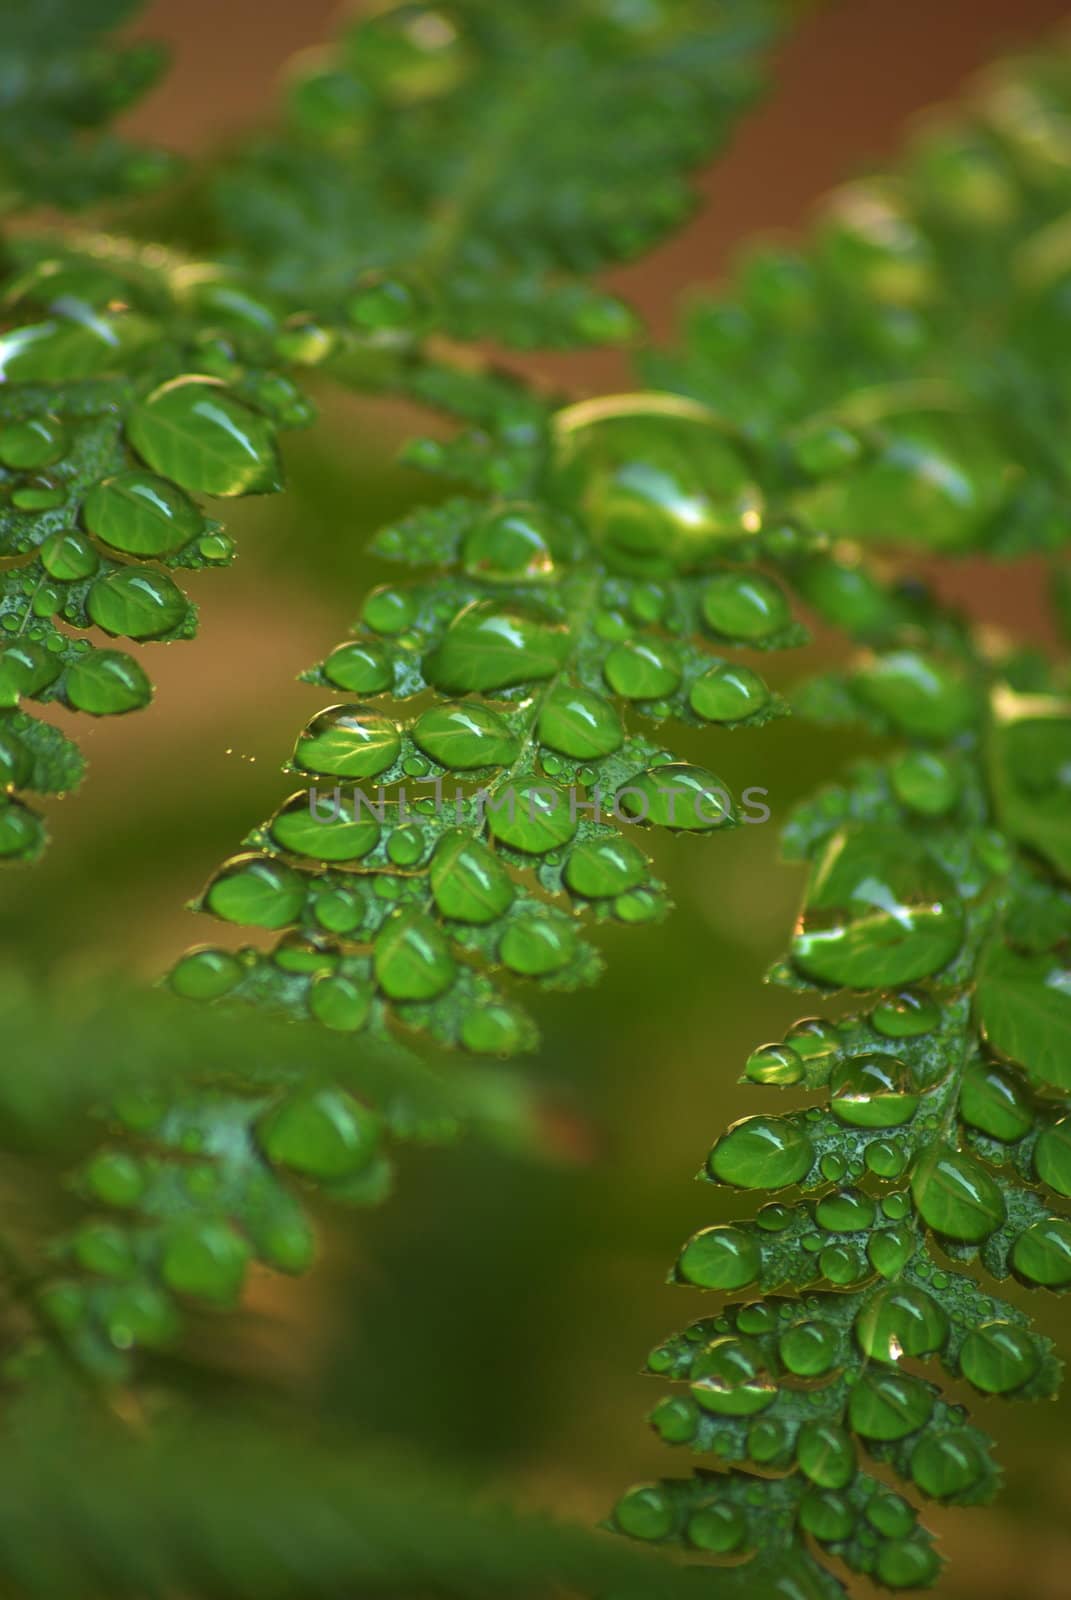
column 497, row 1310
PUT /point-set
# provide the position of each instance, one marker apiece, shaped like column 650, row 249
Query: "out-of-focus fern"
column 935, row 1134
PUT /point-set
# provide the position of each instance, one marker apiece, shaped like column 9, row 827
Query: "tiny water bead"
column 810, row 1349
column 359, row 668
column 348, row 741
column 888, row 1406
column 655, row 480
column 206, row 974
column 494, row 1030
column 580, row 724
column 137, row 604
column 489, row 646
column 601, row 868
column 845, row 1211
column 921, row 696
column 465, row 736
column 746, row 606
column 761, row 1153
column 206, row 1259
column 730, row 1378
column 68, row 555
column 1042, row 1253
column 826, row 1515
column 1052, row 1156
column 728, row 694
column 955, row 1195
column 320, row 1132
column 35, row 442
column 774, row 1064
column 193, row 432
column 107, row 683
column 511, row 545
column 676, row 795
column 720, row 1257
column 826, row 1454
column 719, row 1528
column 642, row 669
column 873, row 1091
column 533, row 818
column 412, row 958
column 948, row 1465
column 901, row 1320
column 999, row 1357
column 320, row 827
column 926, row 782
column 645, row 1512
column 879, row 910
column 468, row 881
column 905, row 1015
column 995, row 1102
column 254, row 889
column 389, row 611
column 141, row 514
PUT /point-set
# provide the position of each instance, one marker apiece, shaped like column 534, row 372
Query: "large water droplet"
column 728, row 694
column 488, row 646
column 676, row 795
column 468, row 881
column 1042, row 1253
column 412, row 958
column 255, row 889
column 873, row 1091
column 580, row 724
column 955, row 1195
column 511, row 545
column 826, row 1454
column 601, row 868
column 745, row 605
column 329, row 832
column 1052, row 1156
column 207, row 1259
column 921, row 696
column 947, row 1465
column 879, row 910
column 107, row 683
column 905, row 1015
column 536, row 947
column 137, row 604
column 141, row 514
column 68, row 555
column 900, row 1321
column 994, row 1101
column 888, row 1406
column 720, row 1257
column 729, row 1377
column 531, row 817
column 465, row 736
column 998, row 1357
column 642, row 669
column 348, row 742
column 35, row 442
column 359, row 668
column 193, row 432
column 762, row 1153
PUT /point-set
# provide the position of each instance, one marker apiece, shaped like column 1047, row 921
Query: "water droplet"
column 137, row 604
column 921, row 696
column 388, row 302
column 718, row 1528
column 730, row 1378
column 348, row 742
column 822, row 449
column 68, row 555
column 468, row 881
column 645, row 1512
column 826, row 1454
column 926, row 782
column 769, row 1441
column 339, row 1003
column 761, row 1153
column 16, row 762
column 879, row 910
column 207, row 1259
column 720, row 1257
column 642, row 669
column 675, row 1419
column 845, row 1211
column 774, row 1064
column 323, row 1133
column 745, row 605
column 32, row 443
column 885, row 1159
column 905, row 1015
column 206, row 974
column 888, row 1406
column 511, row 545
column 907, row 1564
column 873, row 1091
column 579, row 723
column 900, row 1321
column 254, row 889
column 955, row 1195
column 1052, row 1156
column 141, row 514
column 890, row 1515
column 946, row 1465
column 25, row 669
column 826, row 1515
column 493, row 1030
column 412, row 958
column 107, row 683
column 1042, row 1253
column 813, row 1038
column 328, row 835
column 465, row 736
column 832, row 1166
column 601, row 868
column 359, row 668
column 489, row 646
column 115, row 1178
column 536, row 947
column 654, row 479
column 676, row 795
column 406, row 846
column 841, row 1264
column 890, row 1250
column 810, row 1349
column 998, row 1357
column 531, row 817
column 192, row 431
column 728, row 694
column 993, row 1100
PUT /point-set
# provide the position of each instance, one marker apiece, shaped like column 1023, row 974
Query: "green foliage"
column 932, row 1149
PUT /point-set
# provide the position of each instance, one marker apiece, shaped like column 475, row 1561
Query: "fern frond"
column 63, row 83
column 467, row 146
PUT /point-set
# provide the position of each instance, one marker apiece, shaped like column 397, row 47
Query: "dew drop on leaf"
column 68, row 555
column 873, row 1091
column 468, row 881
column 137, row 604
column 728, row 694
column 206, row 974
column 998, row 1357
column 412, row 958
column 761, row 1153
column 1042, row 1253
column 826, row 1454
column 888, row 1406
column 141, row 514
column 348, row 741
column 720, row 1257
column 107, row 683
column 535, row 947
column 900, row 1321
column 490, row 646
column 905, row 1015
column 602, row 868
column 955, row 1195
column 325, row 835
column 511, row 545
column 359, row 668
column 677, row 795
column 257, row 890
column 730, row 1378
column 580, row 724
column 465, row 736
column 774, row 1064
column 641, row 669
column 192, row 431
column 745, row 606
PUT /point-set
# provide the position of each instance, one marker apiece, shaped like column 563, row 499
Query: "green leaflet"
column 435, row 858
